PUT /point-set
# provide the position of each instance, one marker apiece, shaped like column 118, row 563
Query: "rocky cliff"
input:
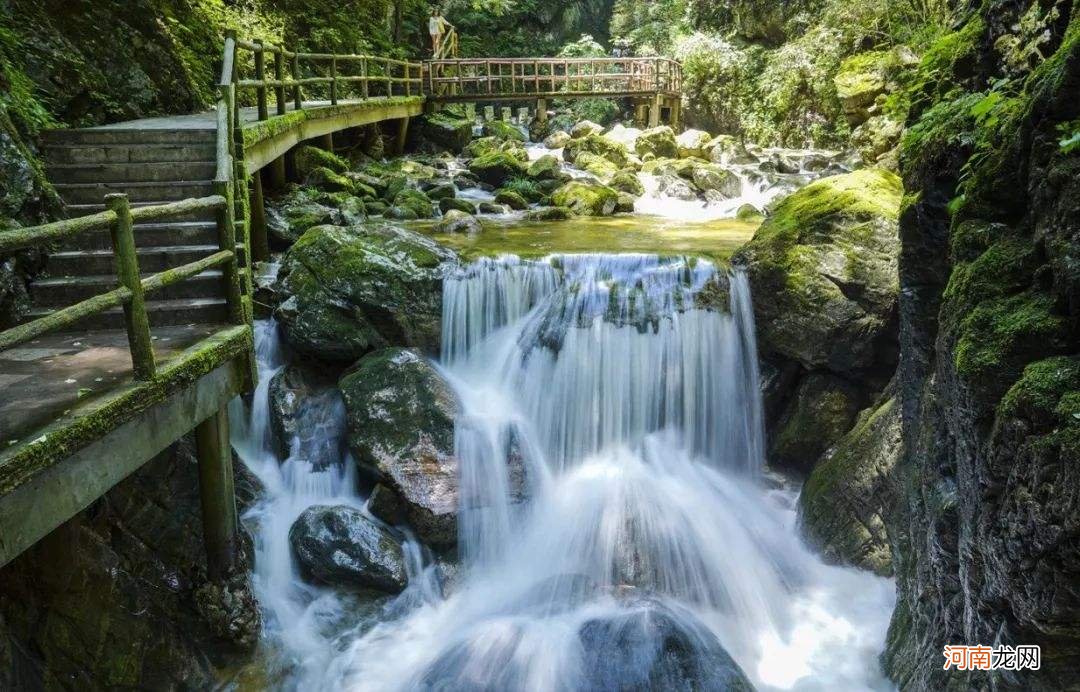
column 988, row 542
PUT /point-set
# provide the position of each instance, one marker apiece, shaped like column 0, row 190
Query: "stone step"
column 152, row 259
column 161, row 313
column 76, row 210
column 62, row 291
column 152, row 235
column 170, row 191
column 130, row 172
column 70, row 154
column 117, row 135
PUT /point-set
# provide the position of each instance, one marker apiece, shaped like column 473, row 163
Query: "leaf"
column 1070, row 143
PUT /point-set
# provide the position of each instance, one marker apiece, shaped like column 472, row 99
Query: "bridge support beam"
column 400, row 136
column 327, row 142
column 260, row 243
column 217, row 494
column 277, row 173
column 541, row 110
column 654, row 110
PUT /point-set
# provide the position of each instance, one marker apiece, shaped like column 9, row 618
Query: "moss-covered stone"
column 586, row 199
column 327, row 180
column 352, row 290
column 308, row 158
column 457, row 203
column 455, row 221
column 500, row 129
column 415, row 201
column 400, row 415
column 821, row 411
column 547, row 167
column 597, row 145
column 496, row 168
column 823, row 270
column 692, row 143
column 628, row 182
column 491, row 145
column 846, row 501
column 549, row 214
column 658, row 142
column 446, row 130
column 511, row 198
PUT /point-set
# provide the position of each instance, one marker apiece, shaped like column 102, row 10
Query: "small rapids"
column 617, row 527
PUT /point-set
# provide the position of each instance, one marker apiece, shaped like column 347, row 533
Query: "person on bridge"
column 437, row 26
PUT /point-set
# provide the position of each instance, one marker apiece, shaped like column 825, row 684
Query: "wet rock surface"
column 342, row 546
column 400, row 414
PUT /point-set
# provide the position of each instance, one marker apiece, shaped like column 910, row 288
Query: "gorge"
column 785, row 399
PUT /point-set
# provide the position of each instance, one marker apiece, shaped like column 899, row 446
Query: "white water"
column 635, row 420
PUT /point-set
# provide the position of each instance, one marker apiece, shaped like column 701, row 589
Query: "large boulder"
column 400, row 414
column 725, row 150
column 628, row 182
column 328, row 180
column 290, row 216
column 557, row 140
column 496, row 167
column 692, row 143
column 675, row 187
column 861, row 79
column 353, row 290
column 586, row 199
column 712, row 178
column 844, row 504
column 547, row 167
column 658, row 142
column 308, row 158
column 626, row 136
column 341, row 546
column 416, row 202
column 598, row 145
column 823, row 272
column 491, row 145
column 585, row 128
column 446, row 130
column 304, row 408
column 822, row 409
column 596, row 165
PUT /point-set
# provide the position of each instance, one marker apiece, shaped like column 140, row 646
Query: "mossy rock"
column 464, row 205
column 492, row 208
column 415, row 201
column 441, row 191
column 628, row 182
column 586, row 128
column 288, row 217
column 748, row 212
column 327, row 180
column 503, row 130
column 353, row 290
column 823, row 268
column 822, row 410
column 308, row 158
column 707, row 177
column 455, row 221
column 846, row 501
column 400, row 214
column 512, row 199
column 496, row 168
column 692, row 143
column 400, row 414
column 446, row 130
column 657, row 142
column 596, row 165
column 597, row 145
column 492, row 145
column 586, row 199
column 549, row 214
column 625, row 203
column 547, row 167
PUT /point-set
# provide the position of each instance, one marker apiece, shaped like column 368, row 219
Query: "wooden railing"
column 294, row 76
column 552, row 77
column 119, row 218
column 449, row 46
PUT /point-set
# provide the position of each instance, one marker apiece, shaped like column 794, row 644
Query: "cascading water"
column 616, row 526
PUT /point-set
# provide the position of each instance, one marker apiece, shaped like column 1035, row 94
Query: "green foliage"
column 1070, row 137
column 525, row 187
column 585, row 47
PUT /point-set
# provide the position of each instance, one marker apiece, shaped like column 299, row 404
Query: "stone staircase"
column 152, row 166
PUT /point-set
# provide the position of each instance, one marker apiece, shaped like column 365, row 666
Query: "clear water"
column 633, row 419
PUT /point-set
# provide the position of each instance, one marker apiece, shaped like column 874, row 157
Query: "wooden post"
column 541, row 110
column 260, row 243
column 327, row 142
column 217, row 494
column 489, row 76
column 127, row 269
column 364, row 74
column 276, row 171
column 402, row 134
column 333, row 81
column 298, row 97
column 279, row 76
column 260, row 75
column 654, row 110
column 227, row 241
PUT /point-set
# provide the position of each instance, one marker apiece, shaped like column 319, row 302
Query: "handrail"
column 119, row 219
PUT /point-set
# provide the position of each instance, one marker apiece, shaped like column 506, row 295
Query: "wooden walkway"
column 142, row 331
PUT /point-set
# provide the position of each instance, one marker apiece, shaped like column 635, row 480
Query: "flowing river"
column 617, row 528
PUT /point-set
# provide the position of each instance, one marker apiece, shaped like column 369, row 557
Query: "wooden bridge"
column 142, row 330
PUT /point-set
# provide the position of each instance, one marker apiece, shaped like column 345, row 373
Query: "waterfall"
column 611, row 451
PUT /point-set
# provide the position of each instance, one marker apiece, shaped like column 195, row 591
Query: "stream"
column 617, row 526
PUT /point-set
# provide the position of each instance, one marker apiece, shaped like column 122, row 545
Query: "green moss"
column 415, row 201
column 1005, row 267
column 1048, row 393
column 586, row 199
column 997, row 335
column 258, row 131
column 525, row 187
column 598, row 145
column 310, row 157
column 512, row 199
column 947, row 124
column 502, row 130
column 864, row 73
column 949, row 58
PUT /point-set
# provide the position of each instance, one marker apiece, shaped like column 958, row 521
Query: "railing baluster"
column 279, row 77
column 333, row 81
column 127, row 269
column 260, row 75
column 298, row 97
column 227, row 241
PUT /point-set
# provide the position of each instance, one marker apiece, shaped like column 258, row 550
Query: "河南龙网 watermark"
column 1022, row 657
